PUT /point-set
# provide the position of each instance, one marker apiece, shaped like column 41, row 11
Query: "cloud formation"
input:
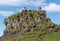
column 6, row 13
column 21, row 2
column 52, row 7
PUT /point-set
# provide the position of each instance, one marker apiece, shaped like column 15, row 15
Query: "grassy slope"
column 32, row 36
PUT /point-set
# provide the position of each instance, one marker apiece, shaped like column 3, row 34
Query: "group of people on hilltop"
column 40, row 11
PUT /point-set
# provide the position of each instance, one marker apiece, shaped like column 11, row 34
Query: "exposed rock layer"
column 28, row 21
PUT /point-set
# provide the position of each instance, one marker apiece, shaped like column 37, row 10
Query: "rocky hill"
column 29, row 25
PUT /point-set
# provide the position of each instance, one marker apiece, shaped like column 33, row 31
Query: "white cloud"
column 6, row 13
column 21, row 2
column 11, row 2
column 52, row 7
column 37, row 2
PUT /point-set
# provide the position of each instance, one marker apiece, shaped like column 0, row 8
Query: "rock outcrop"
column 28, row 21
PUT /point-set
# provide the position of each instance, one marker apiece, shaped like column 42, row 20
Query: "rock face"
column 27, row 21
column 0, row 39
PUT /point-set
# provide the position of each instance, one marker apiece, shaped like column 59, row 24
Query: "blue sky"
column 9, row 7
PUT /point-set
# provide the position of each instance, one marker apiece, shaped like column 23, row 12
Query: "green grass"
column 55, row 36
column 33, row 36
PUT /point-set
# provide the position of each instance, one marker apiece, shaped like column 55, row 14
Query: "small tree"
column 5, row 21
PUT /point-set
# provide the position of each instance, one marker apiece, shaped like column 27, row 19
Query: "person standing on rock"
column 41, row 12
column 39, row 8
